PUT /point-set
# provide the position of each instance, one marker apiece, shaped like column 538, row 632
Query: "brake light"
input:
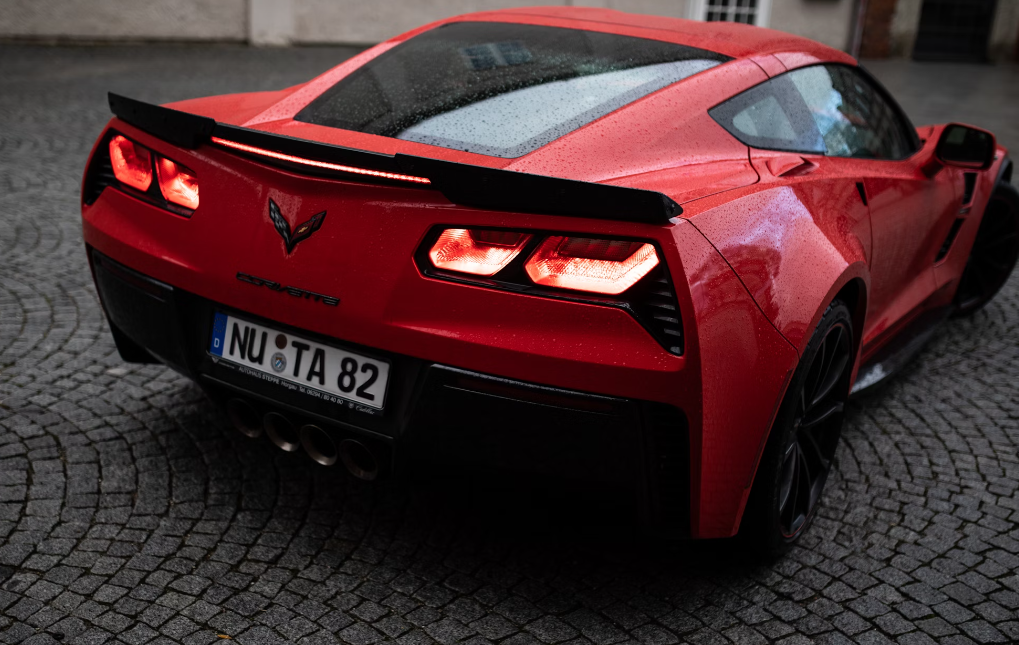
column 319, row 164
column 476, row 251
column 178, row 184
column 132, row 163
column 588, row 264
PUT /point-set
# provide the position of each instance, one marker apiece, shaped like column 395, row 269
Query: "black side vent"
column 667, row 459
column 947, row 245
column 99, row 174
column 657, row 308
column 969, row 180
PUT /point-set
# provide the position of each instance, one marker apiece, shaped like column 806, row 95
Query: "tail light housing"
column 478, row 252
column 622, row 273
column 132, row 163
column 141, row 172
column 590, row 264
column 177, row 184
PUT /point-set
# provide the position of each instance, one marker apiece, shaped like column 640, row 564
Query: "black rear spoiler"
column 464, row 184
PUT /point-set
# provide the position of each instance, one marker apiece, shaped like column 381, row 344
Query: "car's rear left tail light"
column 132, row 163
column 474, row 251
column 589, row 264
column 178, row 184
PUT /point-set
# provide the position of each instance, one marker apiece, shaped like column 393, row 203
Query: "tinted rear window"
column 500, row 89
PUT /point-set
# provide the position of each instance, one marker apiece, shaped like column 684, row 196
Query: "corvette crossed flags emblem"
column 300, row 233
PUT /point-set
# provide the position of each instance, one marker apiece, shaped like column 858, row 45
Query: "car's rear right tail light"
column 590, row 264
column 178, row 184
column 132, row 163
column 478, row 252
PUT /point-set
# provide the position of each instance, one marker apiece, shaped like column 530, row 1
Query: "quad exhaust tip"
column 319, row 445
column 359, row 460
column 282, row 432
column 244, row 417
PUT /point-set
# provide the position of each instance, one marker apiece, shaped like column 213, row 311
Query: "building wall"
column 360, row 22
column 905, row 23
column 220, row 20
column 890, row 25
column 1005, row 33
column 902, row 34
column 828, row 21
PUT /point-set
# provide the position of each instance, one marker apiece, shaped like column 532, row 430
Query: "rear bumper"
column 435, row 413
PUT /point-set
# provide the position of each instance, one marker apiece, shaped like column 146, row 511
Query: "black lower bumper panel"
column 435, row 414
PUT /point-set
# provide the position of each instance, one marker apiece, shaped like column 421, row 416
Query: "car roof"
column 728, row 38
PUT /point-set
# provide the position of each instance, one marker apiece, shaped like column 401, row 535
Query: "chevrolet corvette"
column 650, row 254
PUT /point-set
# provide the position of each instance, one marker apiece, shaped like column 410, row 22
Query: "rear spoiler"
column 464, row 184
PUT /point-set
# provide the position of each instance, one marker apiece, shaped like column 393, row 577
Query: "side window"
column 772, row 115
column 824, row 109
column 852, row 116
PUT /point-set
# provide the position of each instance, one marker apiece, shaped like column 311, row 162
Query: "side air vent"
column 99, row 174
column 969, row 180
column 657, row 308
column 667, row 460
column 946, row 246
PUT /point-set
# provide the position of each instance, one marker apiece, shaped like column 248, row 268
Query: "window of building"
column 750, row 12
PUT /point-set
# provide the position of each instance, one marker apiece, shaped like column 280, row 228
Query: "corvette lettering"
column 294, row 291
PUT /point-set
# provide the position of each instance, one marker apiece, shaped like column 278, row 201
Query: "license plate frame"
column 322, row 369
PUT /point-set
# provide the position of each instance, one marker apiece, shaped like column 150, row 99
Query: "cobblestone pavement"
column 129, row 511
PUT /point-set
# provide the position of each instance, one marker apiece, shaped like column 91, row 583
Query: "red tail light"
column 474, row 251
column 132, row 163
column 587, row 264
column 178, row 184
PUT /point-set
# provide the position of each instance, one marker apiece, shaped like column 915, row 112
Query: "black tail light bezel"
column 100, row 175
column 651, row 301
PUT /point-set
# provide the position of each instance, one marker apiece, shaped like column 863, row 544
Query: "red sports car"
column 649, row 254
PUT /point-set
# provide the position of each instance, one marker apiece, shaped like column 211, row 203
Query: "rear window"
column 501, row 89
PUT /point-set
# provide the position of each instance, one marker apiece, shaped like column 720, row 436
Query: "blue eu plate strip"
column 218, row 334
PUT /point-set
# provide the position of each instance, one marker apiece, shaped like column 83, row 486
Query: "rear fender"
column 795, row 246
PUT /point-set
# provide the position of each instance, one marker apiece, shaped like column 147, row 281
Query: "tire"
column 801, row 449
column 994, row 253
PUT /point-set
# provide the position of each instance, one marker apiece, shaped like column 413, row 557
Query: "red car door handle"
column 790, row 166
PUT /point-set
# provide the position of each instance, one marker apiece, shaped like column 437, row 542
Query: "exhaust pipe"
column 282, row 432
column 360, row 461
column 244, row 417
column 319, row 445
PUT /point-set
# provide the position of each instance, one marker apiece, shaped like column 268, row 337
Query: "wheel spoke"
column 822, row 414
column 812, row 449
column 834, row 365
column 815, row 372
column 792, row 502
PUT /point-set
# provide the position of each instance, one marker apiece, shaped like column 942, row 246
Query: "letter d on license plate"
column 304, row 362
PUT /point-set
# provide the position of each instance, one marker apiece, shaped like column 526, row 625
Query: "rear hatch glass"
column 501, row 89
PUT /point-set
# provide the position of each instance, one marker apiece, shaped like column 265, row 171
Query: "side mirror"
column 961, row 145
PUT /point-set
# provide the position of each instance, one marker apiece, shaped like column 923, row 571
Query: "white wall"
column 827, row 21
column 280, row 22
column 221, row 20
column 362, row 22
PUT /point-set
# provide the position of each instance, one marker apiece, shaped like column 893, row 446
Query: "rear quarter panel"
column 793, row 242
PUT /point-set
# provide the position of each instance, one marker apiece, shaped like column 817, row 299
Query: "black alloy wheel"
column 994, row 253
column 820, row 405
column 801, row 449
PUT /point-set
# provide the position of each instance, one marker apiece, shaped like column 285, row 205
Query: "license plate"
column 320, row 369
